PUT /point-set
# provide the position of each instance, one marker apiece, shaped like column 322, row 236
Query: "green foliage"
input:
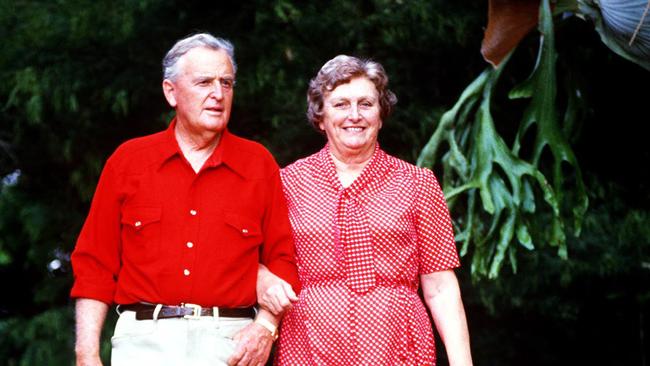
column 480, row 165
column 598, row 300
column 413, row 40
column 43, row 340
column 46, row 339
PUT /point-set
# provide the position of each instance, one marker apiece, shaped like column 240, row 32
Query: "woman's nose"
column 354, row 113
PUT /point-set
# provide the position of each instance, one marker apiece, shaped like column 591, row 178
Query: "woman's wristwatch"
column 269, row 326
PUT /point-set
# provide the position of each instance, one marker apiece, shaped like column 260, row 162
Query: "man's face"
column 202, row 92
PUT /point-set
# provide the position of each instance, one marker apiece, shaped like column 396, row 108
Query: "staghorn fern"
column 491, row 184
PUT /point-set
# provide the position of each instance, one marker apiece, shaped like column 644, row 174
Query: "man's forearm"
column 89, row 316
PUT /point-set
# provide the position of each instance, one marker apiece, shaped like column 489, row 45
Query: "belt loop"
column 215, row 317
column 156, row 311
column 117, row 309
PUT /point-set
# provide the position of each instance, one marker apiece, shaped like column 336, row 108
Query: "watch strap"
column 269, row 326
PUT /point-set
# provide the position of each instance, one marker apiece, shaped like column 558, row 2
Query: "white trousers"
column 192, row 342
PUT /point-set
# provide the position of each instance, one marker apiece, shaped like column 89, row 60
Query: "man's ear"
column 169, row 89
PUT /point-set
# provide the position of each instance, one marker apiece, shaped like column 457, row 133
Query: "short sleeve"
column 436, row 245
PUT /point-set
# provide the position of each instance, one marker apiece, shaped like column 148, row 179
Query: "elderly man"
column 178, row 227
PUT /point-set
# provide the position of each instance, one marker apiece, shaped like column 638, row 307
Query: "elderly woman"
column 369, row 230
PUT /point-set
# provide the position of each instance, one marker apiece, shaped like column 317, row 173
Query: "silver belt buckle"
column 196, row 311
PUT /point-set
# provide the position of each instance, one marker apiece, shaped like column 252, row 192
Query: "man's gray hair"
column 183, row 46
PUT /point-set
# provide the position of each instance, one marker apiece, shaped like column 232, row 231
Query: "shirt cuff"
column 91, row 290
column 286, row 271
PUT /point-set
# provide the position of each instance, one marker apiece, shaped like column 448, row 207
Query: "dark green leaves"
column 501, row 188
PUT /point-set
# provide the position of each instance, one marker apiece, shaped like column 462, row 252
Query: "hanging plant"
column 493, row 185
column 507, row 200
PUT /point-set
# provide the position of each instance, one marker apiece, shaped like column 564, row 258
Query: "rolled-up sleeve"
column 278, row 251
column 96, row 257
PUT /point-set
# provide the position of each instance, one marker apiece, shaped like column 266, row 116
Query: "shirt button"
column 193, row 212
column 244, row 231
column 190, row 244
column 186, row 272
column 138, row 223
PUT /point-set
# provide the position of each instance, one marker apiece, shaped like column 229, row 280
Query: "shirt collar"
column 226, row 151
column 169, row 146
column 229, row 153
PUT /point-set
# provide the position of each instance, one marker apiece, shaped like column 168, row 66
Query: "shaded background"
column 79, row 78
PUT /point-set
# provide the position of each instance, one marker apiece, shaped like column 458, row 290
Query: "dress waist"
column 382, row 283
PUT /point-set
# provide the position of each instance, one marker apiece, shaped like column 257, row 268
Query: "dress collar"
column 377, row 167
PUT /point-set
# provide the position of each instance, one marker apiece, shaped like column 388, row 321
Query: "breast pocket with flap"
column 141, row 233
column 244, row 232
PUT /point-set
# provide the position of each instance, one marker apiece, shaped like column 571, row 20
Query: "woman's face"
column 351, row 118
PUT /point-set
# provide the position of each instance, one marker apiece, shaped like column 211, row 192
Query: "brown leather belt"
column 187, row 311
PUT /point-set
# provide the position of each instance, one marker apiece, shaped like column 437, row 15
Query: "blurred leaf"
column 5, row 258
column 623, row 26
column 508, row 22
column 46, row 338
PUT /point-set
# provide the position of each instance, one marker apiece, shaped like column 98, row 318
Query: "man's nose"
column 217, row 90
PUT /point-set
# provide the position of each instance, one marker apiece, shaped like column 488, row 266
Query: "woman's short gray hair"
column 340, row 70
column 183, row 46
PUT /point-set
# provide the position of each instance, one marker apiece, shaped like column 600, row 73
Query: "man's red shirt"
column 158, row 232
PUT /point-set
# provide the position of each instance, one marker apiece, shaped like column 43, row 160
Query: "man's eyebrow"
column 213, row 76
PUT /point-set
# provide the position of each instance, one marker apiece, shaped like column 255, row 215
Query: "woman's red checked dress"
column 360, row 251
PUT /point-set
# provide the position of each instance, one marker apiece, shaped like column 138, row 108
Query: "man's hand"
column 253, row 346
column 273, row 293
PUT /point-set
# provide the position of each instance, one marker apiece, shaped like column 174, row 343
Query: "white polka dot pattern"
column 360, row 251
column 355, row 237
